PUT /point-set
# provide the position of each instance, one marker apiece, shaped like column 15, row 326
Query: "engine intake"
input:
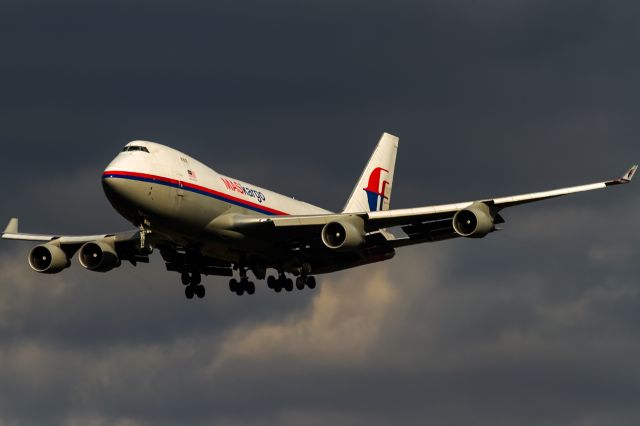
column 48, row 259
column 475, row 221
column 344, row 235
column 98, row 256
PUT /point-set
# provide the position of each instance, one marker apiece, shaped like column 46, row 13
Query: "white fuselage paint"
column 181, row 198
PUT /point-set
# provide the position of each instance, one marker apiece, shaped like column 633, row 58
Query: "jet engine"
column 475, row 221
column 98, row 256
column 48, row 259
column 344, row 235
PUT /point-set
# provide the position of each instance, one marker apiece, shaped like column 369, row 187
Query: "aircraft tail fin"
column 373, row 190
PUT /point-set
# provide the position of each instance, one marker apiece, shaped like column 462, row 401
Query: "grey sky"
column 536, row 325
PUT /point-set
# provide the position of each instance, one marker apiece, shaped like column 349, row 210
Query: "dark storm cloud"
column 533, row 325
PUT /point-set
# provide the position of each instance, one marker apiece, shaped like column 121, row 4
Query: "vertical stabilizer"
column 373, row 190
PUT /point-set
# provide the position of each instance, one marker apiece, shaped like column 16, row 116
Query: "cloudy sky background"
column 536, row 325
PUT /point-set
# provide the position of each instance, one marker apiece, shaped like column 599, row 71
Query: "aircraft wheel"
column 271, row 281
column 289, row 284
column 311, row 282
column 277, row 287
column 300, row 282
column 251, row 288
column 200, row 291
column 185, row 278
column 239, row 291
column 233, row 285
column 188, row 292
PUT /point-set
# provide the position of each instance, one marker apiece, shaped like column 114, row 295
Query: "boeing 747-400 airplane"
column 204, row 223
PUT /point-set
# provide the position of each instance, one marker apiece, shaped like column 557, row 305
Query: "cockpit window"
column 135, row 148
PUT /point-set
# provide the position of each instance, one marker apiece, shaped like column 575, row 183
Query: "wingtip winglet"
column 630, row 173
column 12, row 227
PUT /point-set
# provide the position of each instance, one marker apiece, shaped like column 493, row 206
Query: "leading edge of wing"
column 504, row 202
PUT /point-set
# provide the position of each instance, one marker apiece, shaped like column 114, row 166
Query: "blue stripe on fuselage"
column 191, row 189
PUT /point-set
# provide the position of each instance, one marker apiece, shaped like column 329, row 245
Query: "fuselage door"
column 181, row 173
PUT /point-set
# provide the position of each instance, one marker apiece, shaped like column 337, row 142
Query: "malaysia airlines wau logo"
column 376, row 189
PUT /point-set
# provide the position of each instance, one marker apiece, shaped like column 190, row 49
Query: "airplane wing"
column 11, row 232
column 434, row 223
column 127, row 246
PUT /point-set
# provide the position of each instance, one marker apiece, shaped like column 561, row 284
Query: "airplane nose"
column 109, row 184
column 118, row 195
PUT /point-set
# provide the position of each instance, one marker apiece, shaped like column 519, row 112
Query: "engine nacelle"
column 475, row 221
column 98, row 256
column 344, row 235
column 48, row 259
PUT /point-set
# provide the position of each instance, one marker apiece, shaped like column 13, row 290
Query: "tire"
column 277, row 288
column 196, row 279
column 289, row 284
column 251, row 288
column 239, row 291
column 271, row 281
column 188, row 292
column 200, row 291
column 185, row 278
column 311, row 282
column 233, row 285
column 300, row 282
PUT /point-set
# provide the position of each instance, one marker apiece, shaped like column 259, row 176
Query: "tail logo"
column 376, row 189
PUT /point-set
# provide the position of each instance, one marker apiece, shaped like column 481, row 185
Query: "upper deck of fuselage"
column 151, row 160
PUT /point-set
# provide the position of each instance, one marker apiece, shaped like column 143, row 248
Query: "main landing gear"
column 192, row 285
column 284, row 283
column 194, row 288
column 242, row 286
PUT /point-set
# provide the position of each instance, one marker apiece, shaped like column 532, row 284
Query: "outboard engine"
column 475, row 221
column 48, row 259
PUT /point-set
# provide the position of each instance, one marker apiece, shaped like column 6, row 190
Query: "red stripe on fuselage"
column 196, row 187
